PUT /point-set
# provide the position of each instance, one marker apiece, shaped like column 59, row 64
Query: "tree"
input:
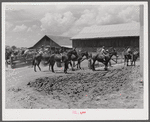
column 6, row 46
column 13, row 47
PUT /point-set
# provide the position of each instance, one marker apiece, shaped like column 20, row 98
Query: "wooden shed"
column 53, row 42
column 118, row 36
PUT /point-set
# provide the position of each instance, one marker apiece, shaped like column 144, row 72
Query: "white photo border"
column 67, row 114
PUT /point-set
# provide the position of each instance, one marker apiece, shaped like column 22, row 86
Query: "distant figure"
column 103, row 52
column 129, row 52
column 41, row 50
column 57, row 51
column 61, row 50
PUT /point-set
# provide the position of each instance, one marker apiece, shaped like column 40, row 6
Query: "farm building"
column 53, row 42
column 118, row 36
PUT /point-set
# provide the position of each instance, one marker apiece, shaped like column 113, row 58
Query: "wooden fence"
column 20, row 61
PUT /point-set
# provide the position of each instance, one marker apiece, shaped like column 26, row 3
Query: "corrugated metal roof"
column 67, row 46
column 61, row 40
column 105, row 31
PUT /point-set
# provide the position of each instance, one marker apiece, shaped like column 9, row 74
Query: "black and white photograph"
column 75, row 60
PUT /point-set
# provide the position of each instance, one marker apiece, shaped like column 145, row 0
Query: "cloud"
column 61, row 7
column 117, row 14
column 8, row 25
column 29, row 30
column 130, row 14
column 19, row 16
column 67, row 20
column 34, row 26
column 56, row 23
column 104, row 15
column 87, row 18
column 72, row 31
column 20, row 28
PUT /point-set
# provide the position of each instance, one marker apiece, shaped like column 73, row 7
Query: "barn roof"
column 67, row 46
column 61, row 40
column 106, row 31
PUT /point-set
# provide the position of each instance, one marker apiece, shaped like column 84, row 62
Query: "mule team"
column 66, row 57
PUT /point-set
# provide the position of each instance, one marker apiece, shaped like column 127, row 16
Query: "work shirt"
column 103, row 51
column 128, row 50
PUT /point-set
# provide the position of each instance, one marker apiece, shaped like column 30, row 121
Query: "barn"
column 118, row 36
column 54, row 42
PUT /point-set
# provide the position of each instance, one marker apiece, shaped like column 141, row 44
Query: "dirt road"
column 120, row 87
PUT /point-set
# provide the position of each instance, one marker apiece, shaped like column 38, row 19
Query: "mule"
column 28, row 54
column 79, row 58
column 65, row 57
column 128, row 57
column 132, row 57
column 37, row 58
column 135, row 56
column 100, row 58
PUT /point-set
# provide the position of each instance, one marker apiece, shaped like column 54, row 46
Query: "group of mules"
column 64, row 57
column 72, row 55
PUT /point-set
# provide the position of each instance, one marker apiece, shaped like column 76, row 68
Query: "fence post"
column 121, row 57
column 11, row 62
column 73, row 63
column 89, row 63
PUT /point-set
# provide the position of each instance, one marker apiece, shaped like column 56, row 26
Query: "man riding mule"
column 79, row 58
column 103, row 52
column 129, row 52
column 128, row 55
column 104, row 58
column 41, row 50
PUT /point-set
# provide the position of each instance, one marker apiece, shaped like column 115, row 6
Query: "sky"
column 27, row 24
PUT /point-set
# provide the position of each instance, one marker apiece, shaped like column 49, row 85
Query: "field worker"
column 61, row 50
column 129, row 52
column 103, row 52
column 41, row 50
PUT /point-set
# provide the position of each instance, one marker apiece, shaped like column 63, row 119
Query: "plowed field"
column 119, row 87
